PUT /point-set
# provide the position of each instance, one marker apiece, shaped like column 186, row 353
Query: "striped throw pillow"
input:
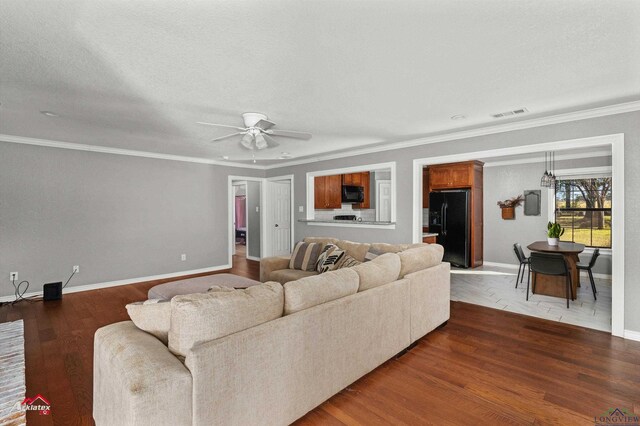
column 347, row 262
column 330, row 258
column 305, row 256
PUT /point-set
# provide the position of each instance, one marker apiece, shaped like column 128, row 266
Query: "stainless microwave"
column 352, row 194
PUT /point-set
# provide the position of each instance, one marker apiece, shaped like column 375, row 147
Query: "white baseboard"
column 257, row 259
column 500, row 265
column 512, row 266
column 96, row 286
column 632, row 335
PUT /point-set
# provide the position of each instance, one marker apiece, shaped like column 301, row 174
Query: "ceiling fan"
column 258, row 132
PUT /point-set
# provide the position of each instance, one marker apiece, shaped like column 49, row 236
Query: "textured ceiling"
column 139, row 74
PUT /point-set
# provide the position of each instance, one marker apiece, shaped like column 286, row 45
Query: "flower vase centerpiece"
column 509, row 207
column 554, row 232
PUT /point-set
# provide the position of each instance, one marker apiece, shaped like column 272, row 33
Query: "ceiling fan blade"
column 265, row 124
column 220, row 125
column 290, row 134
column 271, row 141
column 227, row 136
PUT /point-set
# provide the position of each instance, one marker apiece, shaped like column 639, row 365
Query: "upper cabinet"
column 456, row 175
column 360, row 179
column 328, row 192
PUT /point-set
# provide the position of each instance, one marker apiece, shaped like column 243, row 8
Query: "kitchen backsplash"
column 365, row 214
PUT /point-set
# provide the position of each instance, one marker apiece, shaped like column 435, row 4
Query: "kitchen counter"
column 346, row 222
column 428, row 234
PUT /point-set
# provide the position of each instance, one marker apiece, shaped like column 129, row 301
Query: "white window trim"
column 345, row 170
column 551, row 196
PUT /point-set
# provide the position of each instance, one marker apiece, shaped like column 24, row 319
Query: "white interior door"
column 383, row 200
column 280, row 212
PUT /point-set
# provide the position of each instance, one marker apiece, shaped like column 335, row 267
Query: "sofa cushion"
column 355, row 250
column 311, row 291
column 198, row 285
column 329, row 259
column 305, row 256
column 378, row 249
column 381, row 270
column 285, row 275
column 419, row 258
column 321, row 240
column 152, row 316
column 197, row 318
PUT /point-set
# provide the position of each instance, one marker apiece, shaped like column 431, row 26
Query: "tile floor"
column 494, row 287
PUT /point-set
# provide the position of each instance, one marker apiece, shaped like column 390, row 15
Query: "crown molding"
column 464, row 134
column 120, row 151
column 482, row 131
column 561, row 157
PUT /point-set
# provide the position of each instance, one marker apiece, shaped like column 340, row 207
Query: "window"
column 583, row 208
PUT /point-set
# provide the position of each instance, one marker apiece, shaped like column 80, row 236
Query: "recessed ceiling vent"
column 510, row 113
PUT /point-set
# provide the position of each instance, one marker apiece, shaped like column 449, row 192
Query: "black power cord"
column 71, row 276
column 19, row 292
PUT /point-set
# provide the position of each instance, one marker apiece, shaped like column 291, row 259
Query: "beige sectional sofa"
column 269, row 354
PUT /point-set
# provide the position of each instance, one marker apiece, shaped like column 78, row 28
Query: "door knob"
column 276, row 225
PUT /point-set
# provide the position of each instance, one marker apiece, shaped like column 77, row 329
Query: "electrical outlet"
column 76, row 269
column 301, row 209
column 183, row 257
column 13, row 276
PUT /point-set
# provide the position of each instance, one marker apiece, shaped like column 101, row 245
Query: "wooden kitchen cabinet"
column 328, row 192
column 429, row 240
column 453, row 175
column 425, row 188
column 360, row 179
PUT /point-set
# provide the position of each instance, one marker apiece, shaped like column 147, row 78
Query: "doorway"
column 245, row 221
column 240, row 218
column 616, row 145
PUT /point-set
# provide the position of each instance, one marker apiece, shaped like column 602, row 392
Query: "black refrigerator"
column 449, row 218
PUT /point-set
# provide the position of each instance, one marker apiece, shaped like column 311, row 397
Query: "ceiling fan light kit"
column 258, row 132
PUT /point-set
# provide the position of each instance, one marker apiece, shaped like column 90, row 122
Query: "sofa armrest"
column 137, row 381
column 270, row 264
column 430, row 299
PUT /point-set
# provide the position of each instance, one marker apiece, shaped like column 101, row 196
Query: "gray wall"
column 503, row 182
column 118, row 217
column 622, row 123
column 253, row 218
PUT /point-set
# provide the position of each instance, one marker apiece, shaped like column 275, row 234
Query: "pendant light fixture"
column 544, row 181
column 552, row 175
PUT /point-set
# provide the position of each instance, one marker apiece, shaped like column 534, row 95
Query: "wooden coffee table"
column 553, row 285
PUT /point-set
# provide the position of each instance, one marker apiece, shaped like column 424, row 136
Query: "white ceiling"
column 138, row 75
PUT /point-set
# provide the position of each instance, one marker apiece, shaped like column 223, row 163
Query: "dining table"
column 554, row 285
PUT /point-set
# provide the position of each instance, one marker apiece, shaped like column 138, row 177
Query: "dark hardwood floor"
column 484, row 367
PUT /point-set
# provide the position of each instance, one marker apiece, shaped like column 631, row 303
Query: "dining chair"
column 549, row 264
column 588, row 267
column 524, row 262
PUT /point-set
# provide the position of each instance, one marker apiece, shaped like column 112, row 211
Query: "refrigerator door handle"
column 445, row 207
